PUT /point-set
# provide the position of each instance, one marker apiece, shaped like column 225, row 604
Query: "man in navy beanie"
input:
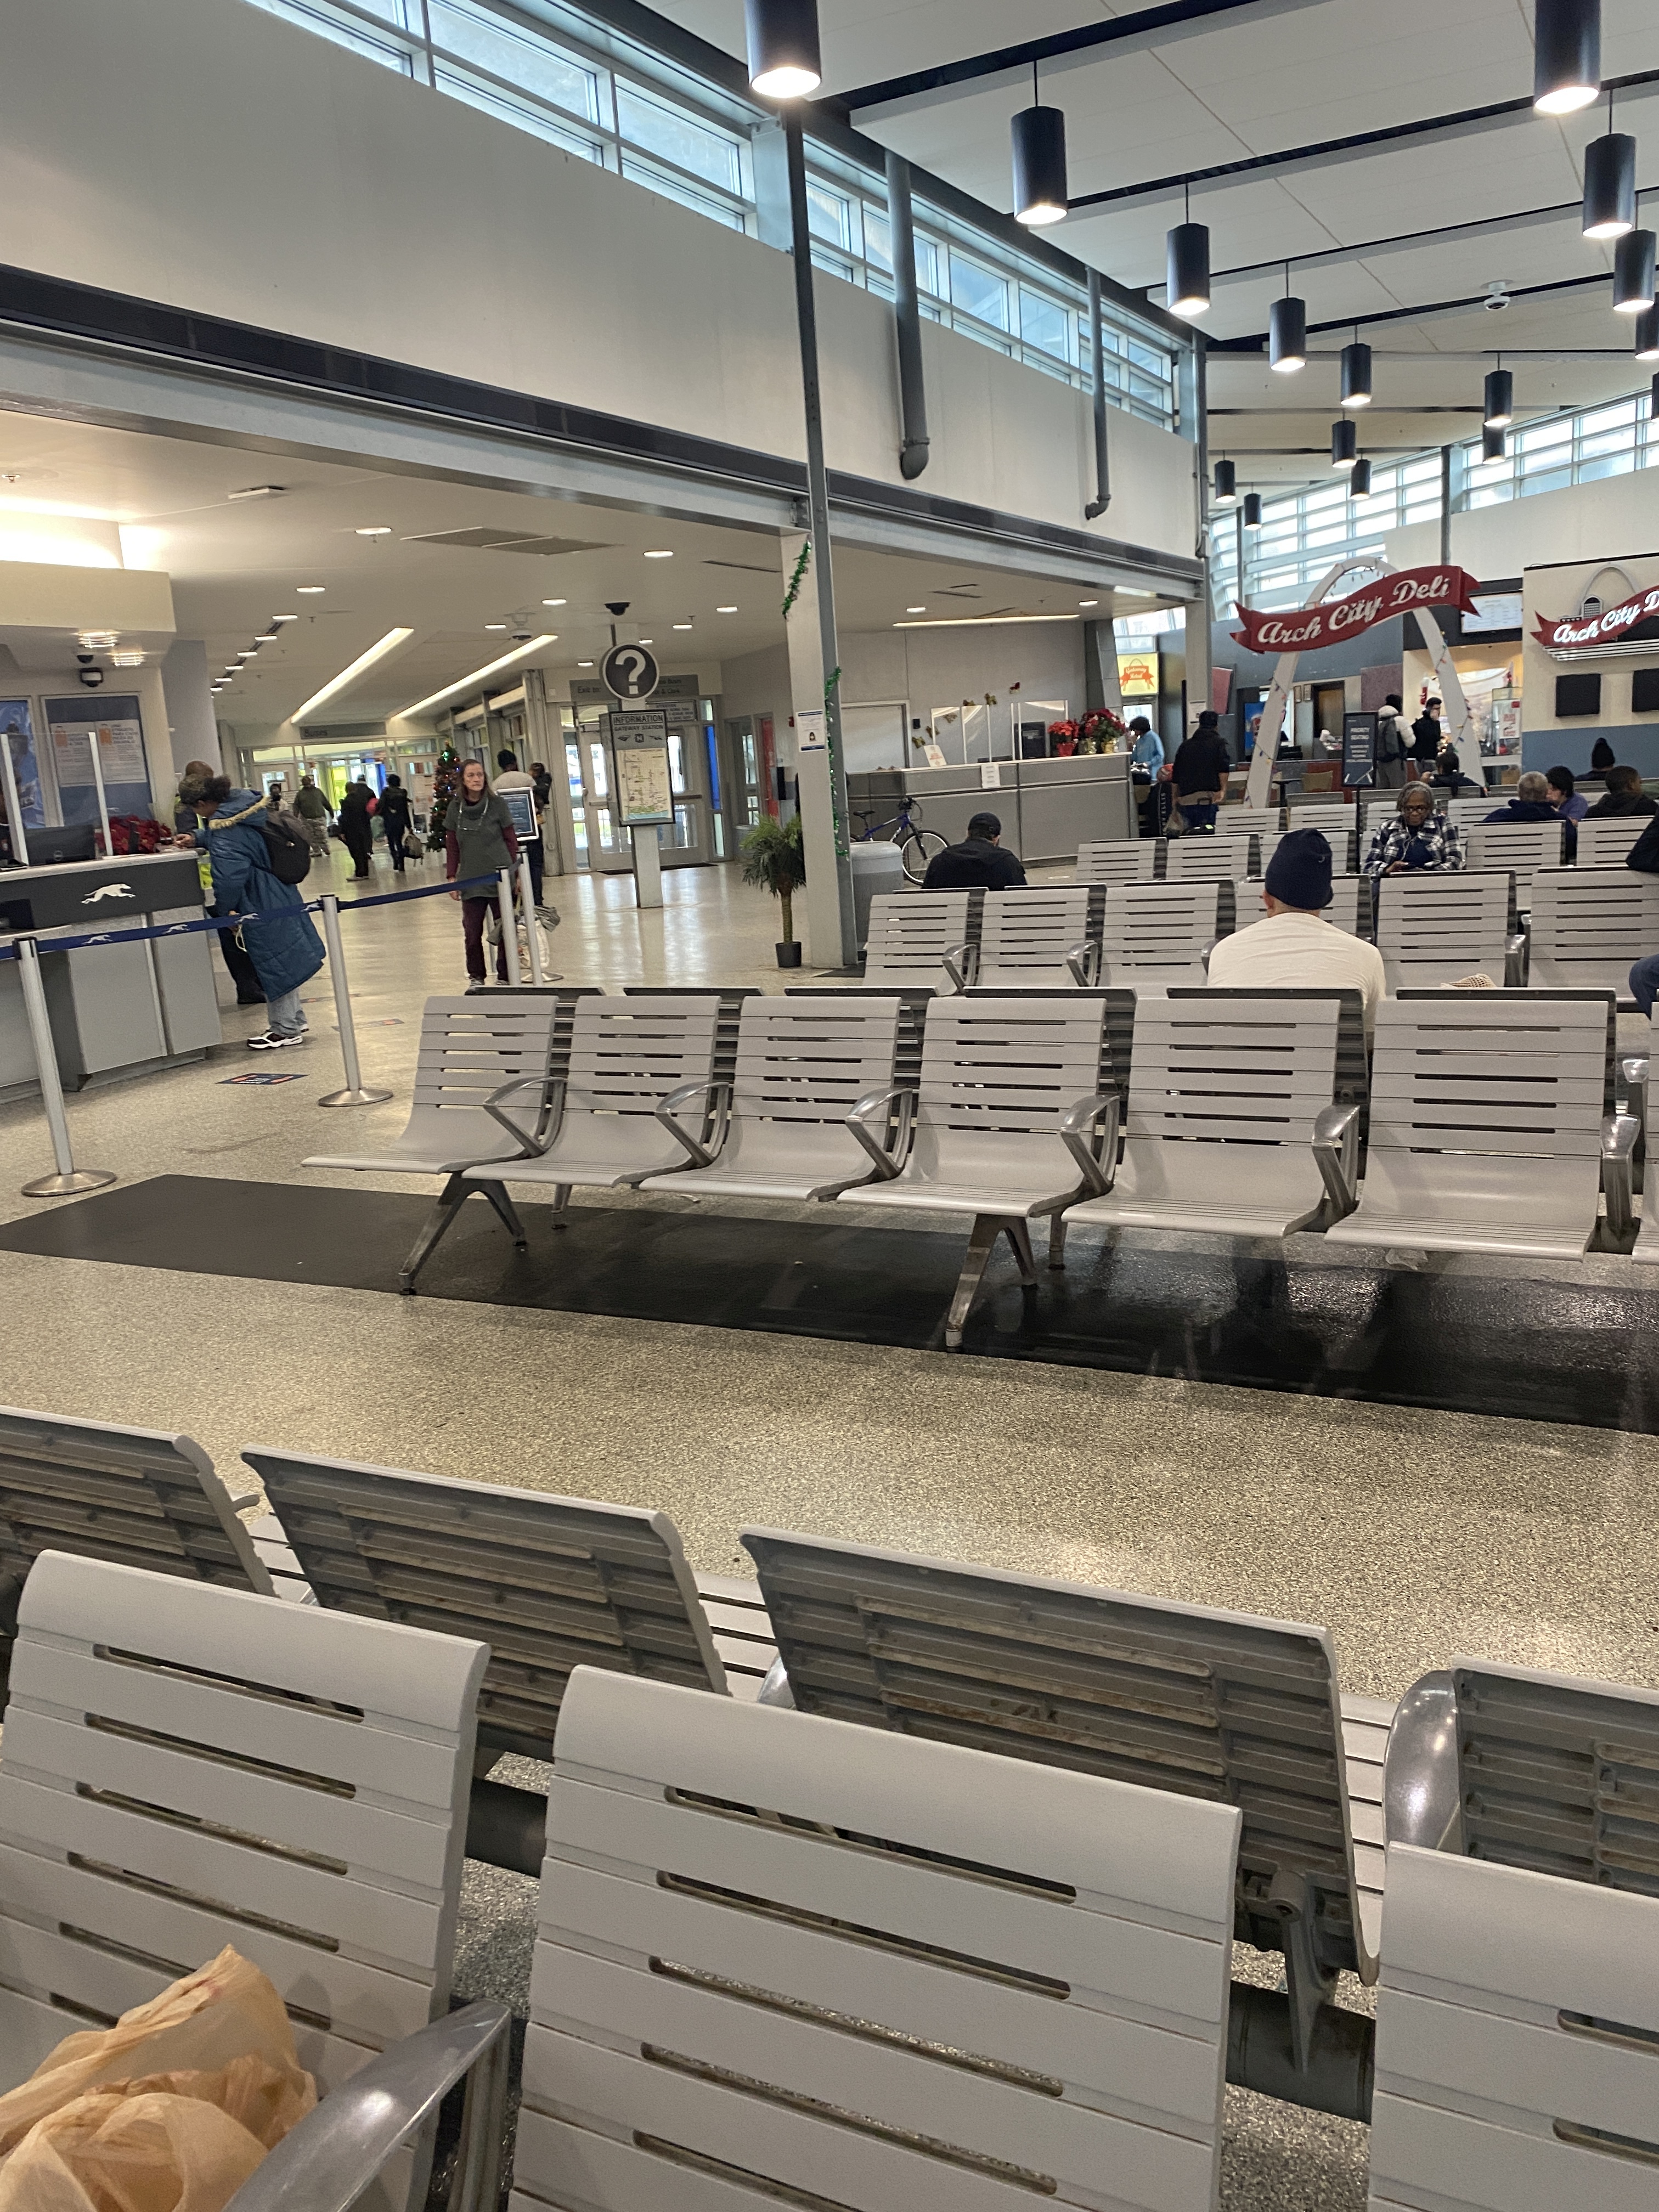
column 1296, row 948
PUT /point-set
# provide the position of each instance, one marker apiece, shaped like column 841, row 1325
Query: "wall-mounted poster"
column 19, row 733
column 639, row 741
column 116, row 727
column 1137, row 675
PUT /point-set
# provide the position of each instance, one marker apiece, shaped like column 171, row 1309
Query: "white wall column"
column 818, row 820
column 544, row 728
column 194, row 731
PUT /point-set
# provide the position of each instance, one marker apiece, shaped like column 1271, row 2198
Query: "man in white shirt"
column 1296, row 948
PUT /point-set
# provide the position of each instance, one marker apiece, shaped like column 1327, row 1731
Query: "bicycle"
column 917, row 846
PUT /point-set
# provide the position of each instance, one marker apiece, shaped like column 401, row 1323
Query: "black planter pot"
column 789, row 954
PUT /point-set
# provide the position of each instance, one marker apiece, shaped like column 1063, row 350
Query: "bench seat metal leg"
column 496, row 1194
column 451, row 1198
column 1056, row 1240
column 982, row 1242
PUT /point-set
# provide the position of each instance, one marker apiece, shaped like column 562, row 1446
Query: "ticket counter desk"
column 116, row 1009
column 1046, row 808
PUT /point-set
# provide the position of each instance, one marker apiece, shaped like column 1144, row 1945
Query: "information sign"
column 1359, row 751
column 521, row 806
column 630, row 671
column 639, row 744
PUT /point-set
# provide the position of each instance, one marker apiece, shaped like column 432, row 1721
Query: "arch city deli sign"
column 1630, row 627
column 1304, row 629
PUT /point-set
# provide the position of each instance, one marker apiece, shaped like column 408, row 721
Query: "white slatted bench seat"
column 1522, row 847
column 1518, row 2019
column 1199, row 860
column 548, row 1583
column 1155, row 934
column 1466, row 814
column 1197, row 1701
column 1437, row 927
column 927, row 938
column 1589, row 927
column 484, row 1080
column 1000, row 1077
column 1119, row 860
column 1604, row 844
column 640, row 1098
column 736, row 1613
column 1337, row 822
column 141, row 1497
column 1038, row 937
column 1490, row 1126
column 1248, row 820
column 802, row 1065
column 904, row 1975
column 184, row 1767
column 1232, row 1125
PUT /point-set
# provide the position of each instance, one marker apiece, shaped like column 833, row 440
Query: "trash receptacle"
column 877, row 867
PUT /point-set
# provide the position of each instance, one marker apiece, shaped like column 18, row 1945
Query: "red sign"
column 1583, row 637
column 1304, row 630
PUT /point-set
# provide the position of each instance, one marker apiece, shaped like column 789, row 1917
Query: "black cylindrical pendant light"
column 1287, row 332
column 1226, row 484
column 784, row 61
column 1345, row 443
column 1493, row 444
column 1356, row 375
column 1187, row 261
column 1633, row 273
column 1647, row 334
column 1040, row 190
column 1359, row 483
column 1566, row 55
column 1253, row 504
column 1499, row 409
column 1609, row 186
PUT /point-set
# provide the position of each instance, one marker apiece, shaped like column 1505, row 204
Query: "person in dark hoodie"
column 278, row 936
column 1532, row 802
column 1199, row 772
column 1624, row 797
column 978, row 863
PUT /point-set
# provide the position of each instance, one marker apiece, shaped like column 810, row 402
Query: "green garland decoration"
column 829, row 683
column 795, row 581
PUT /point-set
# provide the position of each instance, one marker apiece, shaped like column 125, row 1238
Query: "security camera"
column 618, row 607
column 522, row 636
column 1497, row 299
column 92, row 677
column 85, row 660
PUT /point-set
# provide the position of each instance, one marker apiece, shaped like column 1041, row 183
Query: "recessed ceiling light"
column 681, row 625
column 584, row 664
column 282, row 618
column 258, row 491
column 915, row 610
column 364, row 661
column 660, row 553
column 725, row 610
column 309, row 588
column 495, row 625
column 376, row 530
column 554, row 603
column 265, row 636
column 1088, row 603
column 647, row 641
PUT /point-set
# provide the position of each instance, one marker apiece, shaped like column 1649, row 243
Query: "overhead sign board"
column 1630, row 627
column 1359, row 751
column 1304, row 630
column 1137, row 675
column 630, row 671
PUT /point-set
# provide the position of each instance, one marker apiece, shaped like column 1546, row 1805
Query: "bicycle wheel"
column 918, row 848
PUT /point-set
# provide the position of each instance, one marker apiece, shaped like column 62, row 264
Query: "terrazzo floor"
column 1411, row 1533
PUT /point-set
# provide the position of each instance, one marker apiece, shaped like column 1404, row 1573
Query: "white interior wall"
column 214, row 157
column 1601, row 521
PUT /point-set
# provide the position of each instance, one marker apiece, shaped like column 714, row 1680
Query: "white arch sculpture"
column 1273, row 710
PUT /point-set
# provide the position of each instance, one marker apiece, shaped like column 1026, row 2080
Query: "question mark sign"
column 633, row 665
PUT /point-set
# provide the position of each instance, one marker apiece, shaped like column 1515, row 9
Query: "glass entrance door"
column 602, row 843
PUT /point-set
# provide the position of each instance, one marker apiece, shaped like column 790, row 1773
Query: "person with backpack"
column 253, row 856
column 1391, row 752
column 357, row 825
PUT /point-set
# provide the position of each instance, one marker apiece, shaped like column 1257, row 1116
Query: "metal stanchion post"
column 103, row 803
column 509, row 927
column 69, row 1179
column 354, row 1094
column 19, row 845
column 533, row 936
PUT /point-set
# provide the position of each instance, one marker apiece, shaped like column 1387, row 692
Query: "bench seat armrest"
column 1083, row 961
column 1516, row 960
column 1088, row 1130
column 1618, row 1135
column 1336, row 1149
column 889, row 1158
column 532, row 1143
column 961, row 964
column 702, row 1156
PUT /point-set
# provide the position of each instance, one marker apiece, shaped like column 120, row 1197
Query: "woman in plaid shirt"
column 1418, row 837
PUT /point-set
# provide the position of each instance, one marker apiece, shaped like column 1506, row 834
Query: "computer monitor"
column 50, row 848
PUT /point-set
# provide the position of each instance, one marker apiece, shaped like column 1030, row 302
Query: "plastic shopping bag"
column 169, row 2110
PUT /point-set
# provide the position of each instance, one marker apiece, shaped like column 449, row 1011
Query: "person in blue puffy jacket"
column 278, row 935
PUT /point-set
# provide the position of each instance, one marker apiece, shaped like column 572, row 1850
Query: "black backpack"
column 286, row 850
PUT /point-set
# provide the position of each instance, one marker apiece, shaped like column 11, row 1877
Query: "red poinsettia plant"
column 1100, row 723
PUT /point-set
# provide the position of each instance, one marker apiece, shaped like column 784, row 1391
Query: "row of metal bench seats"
column 1491, row 1120
column 1587, row 929
column 1367, row 814
column 1523, row 847
column 973, row 1946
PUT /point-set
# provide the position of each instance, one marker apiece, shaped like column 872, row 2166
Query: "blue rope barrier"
column 425, row 891
column 49, row 942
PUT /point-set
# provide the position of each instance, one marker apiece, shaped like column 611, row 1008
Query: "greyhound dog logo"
column 109, row 891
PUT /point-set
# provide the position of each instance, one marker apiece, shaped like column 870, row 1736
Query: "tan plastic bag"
column 169, row 2110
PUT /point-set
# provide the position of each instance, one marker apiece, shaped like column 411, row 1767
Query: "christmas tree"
column 445, row 777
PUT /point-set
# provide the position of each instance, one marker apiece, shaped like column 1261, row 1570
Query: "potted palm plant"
column 775, row 859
